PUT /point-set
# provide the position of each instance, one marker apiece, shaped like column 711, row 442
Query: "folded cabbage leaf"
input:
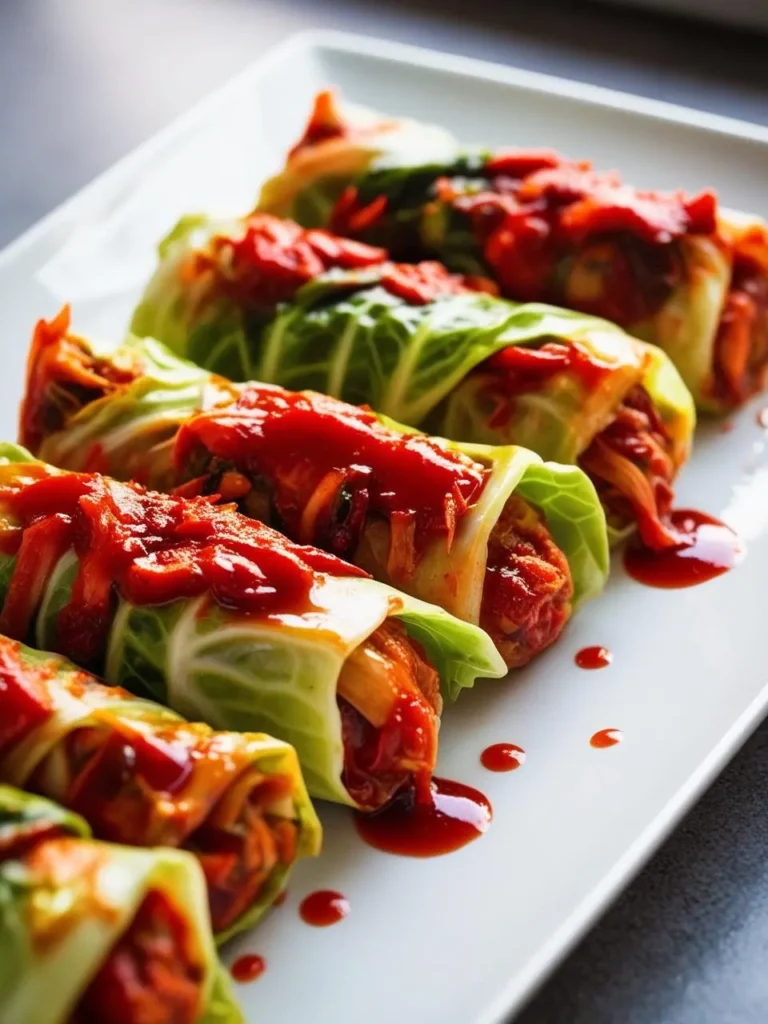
column 492, row 534
column 429, row 350
column 142, row 776
column 227, row 622
column 78, row 916
column 683, row 273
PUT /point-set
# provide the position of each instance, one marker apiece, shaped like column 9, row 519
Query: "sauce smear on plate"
column 707, row 549
column 502, row 757
column 453, row 816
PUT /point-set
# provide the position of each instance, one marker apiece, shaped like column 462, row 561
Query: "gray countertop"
column 84, row 81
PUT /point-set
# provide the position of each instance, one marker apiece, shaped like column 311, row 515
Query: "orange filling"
column 741, row 346
column 528, row 587
column 152, row 975
column 631, row 465
column 389, row 699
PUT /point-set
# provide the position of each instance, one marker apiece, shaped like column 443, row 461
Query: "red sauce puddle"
column 762, row 418
column 593, row 657
column 248, row 968
column 455, row 816
column 323, row 908
column 707, row 549
column 606, row 738
column 280, row 899
column 502, row 757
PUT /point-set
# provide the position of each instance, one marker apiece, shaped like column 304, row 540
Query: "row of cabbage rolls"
column 203, row 537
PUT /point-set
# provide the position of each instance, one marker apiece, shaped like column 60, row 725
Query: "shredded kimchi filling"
column 138, row 788
column 554, row 230
column 741, row 346
column 630, row 461
column 631, row 465
column 242, row 843
column 273, row 258
column 567, row 234
column 327, row 467
column 528, row 587
column 62, row 377
column 151, row 548
column 24, row 698
column 153, row 975
column 389, row 699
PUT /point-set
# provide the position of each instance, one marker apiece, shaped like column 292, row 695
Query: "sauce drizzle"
column 503, row 757
column 455, row 815
column 606, row 738
column 707, row 549
column 593, row 657
column 323, row 908
column 248, row 967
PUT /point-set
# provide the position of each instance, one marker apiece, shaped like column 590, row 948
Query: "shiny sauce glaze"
column 248, row 967
column 707, row 548
column 330, row 465
column 502, row 757
column 323, row 908
column 151, row 548
column 447, row 818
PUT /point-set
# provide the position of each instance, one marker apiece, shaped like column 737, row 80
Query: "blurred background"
column 83, row 82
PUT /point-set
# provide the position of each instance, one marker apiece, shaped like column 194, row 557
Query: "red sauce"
column 502, row 757
column 421, row 283
column 314, row 450
column 707, row 549
column 529, row 224
column 726, row 427
column 762, row 418
column 24, row 696
column 606, row 738
column 273, row 258
column 153, row 548
column 454, row 816
column 593, row 657
column 528, row 369
column 248, row 967
column 117, row 769
column 280, row 899
column 323, row 908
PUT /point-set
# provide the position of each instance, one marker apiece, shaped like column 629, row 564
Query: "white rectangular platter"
column 466, row 937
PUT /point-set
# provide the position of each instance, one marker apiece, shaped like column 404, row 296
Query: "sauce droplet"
column 502, row 757
column 454, row 816
column 280, row 899
column 762, row 418
column 726, row 427
column 593, row 657
column 707, row 549
column 606, row 738
column 248, row 968
column 323, row 908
